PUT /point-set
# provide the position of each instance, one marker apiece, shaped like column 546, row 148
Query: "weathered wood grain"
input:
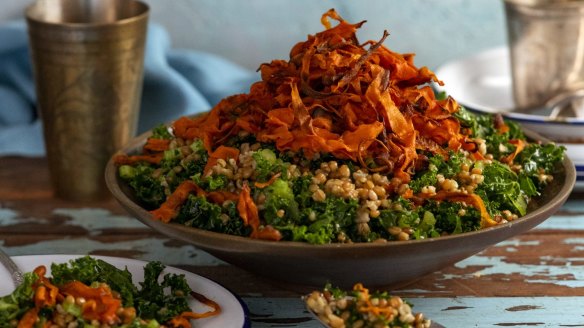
column 459, row 312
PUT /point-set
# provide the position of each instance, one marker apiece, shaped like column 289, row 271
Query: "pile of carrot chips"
column 356, row 101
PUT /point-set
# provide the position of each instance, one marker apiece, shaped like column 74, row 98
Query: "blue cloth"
column 176, row 83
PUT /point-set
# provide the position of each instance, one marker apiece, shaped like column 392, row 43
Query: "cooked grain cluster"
column 364, row 310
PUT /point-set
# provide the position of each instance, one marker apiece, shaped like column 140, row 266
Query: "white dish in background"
column 482, row 83
column 233, row 312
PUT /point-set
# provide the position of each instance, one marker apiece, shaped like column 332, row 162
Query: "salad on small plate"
column 83, row 291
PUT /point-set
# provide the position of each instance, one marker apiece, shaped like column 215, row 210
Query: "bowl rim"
column 113, row 183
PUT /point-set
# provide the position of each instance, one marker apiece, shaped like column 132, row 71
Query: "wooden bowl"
column 389, row 264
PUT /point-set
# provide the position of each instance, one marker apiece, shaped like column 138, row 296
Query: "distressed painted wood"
column 533, row 280
column 460, row 312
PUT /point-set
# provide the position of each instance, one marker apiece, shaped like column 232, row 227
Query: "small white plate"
column 482, row 83
column 233, row 312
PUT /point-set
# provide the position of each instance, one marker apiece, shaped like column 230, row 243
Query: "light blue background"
column 250, row 32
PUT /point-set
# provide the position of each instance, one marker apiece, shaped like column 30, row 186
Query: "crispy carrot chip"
column 355, row 101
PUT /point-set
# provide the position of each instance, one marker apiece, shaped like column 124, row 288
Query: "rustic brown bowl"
column 389, row 264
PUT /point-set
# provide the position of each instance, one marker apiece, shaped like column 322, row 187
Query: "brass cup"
column 88, row 59
column 546, row 42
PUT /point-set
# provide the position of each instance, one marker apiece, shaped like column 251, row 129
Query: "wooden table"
column 533, row 280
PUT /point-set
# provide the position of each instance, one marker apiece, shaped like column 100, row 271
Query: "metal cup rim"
column 143, row 14
column 544, row 5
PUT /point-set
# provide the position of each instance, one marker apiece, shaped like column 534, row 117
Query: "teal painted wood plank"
column 10, row 217
column 555, row 270
column 146, row 249
column 575, row 206
column 96, row 219
column 461, row 312
column 563, row 222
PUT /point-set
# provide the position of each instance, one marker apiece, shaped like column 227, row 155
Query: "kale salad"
column 91, row 293
column 343, row 143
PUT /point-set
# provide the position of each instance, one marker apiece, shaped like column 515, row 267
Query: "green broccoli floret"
column 211, row 182
column 279, row 196
column 267, row 164
column 127, row 172
column 172, row 154
column 198, row 147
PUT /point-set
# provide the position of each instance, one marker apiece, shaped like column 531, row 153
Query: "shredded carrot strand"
column 219, row 197
column 182, row 320
column 268, row 183
column 519, row 146
column 100, row 303
column 29, row 319
column 470, row 199
column 129, row 160
column 223, row 152
column 156, row 145
column 169, row 209
column 248, row 212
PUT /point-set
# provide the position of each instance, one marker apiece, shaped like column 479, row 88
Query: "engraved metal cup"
column 546, row 41
column 88, row 59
